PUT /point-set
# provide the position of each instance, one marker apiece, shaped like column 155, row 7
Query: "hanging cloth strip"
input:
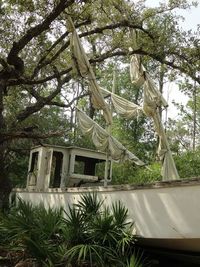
column 82, row 66
column 151, row 102
column 103, row 141
column 122, row 106
column 137, row 71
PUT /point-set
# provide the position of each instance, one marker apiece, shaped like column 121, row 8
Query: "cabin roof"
column 69, row 148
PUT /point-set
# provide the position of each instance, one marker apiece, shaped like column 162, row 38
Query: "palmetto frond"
column 89, row 204
column 136, row 260
column 73, row 227
column 120, row 215
column 91, row 254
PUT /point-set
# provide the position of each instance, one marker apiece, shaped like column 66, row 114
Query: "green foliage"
column 188, row 164
column 87, row 253
column 150, row 173
column 120, row 215
column 33, row 229
column 18, row 166
column 103, row 229
column 107, row 233
column 84, row 237
column 135, row 261
column 89, row 205
column 73, row 227
column 128, row 173
column 184, row 131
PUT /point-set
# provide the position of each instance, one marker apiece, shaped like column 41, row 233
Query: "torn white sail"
column 104, row 141
column 83, row 67
column 122, row 106
column 151, row 102
column 137, row 71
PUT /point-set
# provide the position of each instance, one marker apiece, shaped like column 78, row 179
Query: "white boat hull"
column 166, row 214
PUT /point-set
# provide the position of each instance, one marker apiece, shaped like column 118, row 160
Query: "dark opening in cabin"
column 33, row 171
column 34, row 162
column 86, row 165
column 56, row 169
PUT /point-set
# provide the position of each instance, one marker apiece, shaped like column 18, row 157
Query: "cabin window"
column 79, row 166
column 34, row 162
column 56, row 169
column 100, row 169
column 84, row 165
column 33, row 172
column 89, row 166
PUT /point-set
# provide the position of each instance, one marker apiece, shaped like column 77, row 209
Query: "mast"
column 114, row 86
column 194, row 117
column 108, row 168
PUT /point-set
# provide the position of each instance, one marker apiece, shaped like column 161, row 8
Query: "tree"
column 186, row 128
column 36, row 66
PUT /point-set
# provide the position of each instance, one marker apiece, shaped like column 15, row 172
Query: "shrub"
column 137, row 175
column 90, row 233
column 188, row 164
column 34, row 230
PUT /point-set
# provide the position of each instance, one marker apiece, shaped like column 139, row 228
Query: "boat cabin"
column 53, row 166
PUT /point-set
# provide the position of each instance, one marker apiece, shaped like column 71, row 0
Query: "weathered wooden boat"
column 166, row 214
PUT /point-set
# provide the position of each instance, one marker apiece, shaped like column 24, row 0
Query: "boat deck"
column 123, row 187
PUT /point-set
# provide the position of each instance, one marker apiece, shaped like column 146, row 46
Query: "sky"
column 171, row 91
column 191, row 16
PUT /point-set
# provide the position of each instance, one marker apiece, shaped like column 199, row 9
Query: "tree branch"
column 63, row 105
column 124, row 23
column 27, row 135
column 140, row 51
column 160, row 10
column 42, row 101
column 3, row 63
column 38, row 29
column 29, row 81
column 42, row 61
column 108, row 54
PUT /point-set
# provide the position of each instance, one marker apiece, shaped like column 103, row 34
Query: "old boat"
column 166, row 214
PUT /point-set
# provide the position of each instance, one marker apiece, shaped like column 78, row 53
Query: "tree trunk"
column 5, row 184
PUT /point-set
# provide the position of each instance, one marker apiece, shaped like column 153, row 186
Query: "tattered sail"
column 152, row 100
column 122, row 106
column 104, row 141
column 137, row 71
column 83, row 67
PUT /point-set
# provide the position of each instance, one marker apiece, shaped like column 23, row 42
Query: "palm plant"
column 120, row 214
column 33, row 229
column 90, row 234
column 105, row 233
column 3, row 234
column 89, row 205
column 44, row 238
column 73, row 228
column 88, row 254
column 124, row 228
column 17, row 223
column 135, row 261
column 103, row 229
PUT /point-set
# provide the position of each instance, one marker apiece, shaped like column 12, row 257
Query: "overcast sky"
column 191, row 16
